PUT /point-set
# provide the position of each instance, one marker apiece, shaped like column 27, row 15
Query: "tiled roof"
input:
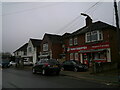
column 94, row 26
column 36, row 42
column 22, row 48
column 54, row 38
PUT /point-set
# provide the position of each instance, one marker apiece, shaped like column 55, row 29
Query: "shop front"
column 95, row 52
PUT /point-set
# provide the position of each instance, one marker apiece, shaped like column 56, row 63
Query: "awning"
column 92, row 50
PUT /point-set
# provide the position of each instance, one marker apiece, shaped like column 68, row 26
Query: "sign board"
column 88, row 47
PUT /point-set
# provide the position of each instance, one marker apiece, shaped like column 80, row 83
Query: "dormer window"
column 94, row 36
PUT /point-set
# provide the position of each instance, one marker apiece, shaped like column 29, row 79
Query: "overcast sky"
column 24, row 20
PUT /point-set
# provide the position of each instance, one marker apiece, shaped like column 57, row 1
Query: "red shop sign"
column 88, row 47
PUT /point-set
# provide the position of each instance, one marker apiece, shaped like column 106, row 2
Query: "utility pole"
column 118, row 38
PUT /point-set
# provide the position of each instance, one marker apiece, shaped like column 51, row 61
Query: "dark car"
column 5, row 63
column 73, row 65
column 47, row 67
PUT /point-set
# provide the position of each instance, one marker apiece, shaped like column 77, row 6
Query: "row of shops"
column 88, row 53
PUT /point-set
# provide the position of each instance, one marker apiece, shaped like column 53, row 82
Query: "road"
column 12, row 78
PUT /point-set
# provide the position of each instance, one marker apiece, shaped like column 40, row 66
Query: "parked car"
column 28, row 63
column 47, row 67
column 5, row 63
column 12, row 63
column 73, row 65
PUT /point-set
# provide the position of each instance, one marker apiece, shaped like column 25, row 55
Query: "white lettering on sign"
column 100, row 46
column 77, row 48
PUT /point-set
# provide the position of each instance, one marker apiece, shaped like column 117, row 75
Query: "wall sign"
column 88, row 47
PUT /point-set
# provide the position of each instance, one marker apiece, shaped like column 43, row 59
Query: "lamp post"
column 118, row 38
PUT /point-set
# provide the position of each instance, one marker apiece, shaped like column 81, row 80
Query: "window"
column 94, row 36
column 88, row 37
column 71, row 42
column 30, row 49
column 71, row 56
column 76, row 56
column 75, row 41
column 100, row 35
column 45, row 47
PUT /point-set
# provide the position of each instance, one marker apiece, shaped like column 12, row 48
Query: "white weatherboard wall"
column 35, row 55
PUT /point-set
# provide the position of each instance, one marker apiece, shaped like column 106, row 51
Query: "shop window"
column 75, row 41
column 76, row 56
column 45, row 47
column 71, row 42
column 100, row 56
column 71, row 56
column 94, row 36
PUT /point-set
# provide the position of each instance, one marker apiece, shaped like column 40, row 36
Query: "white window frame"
column 92, row 33
column 45, row 47
column 76, row 56
column 70, row 41
column 100, row 32
column 30, row 49
column 87, row 34
column 75, row 41
column 71, row 56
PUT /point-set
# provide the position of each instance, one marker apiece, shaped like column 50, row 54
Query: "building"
column 22, row 51
column 33, row 49
column 51, row 46
column 95, row 42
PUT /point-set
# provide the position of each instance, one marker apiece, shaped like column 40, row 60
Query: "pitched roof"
column 36, row 42
column 22, row 48
column 54, row 38
column 94, row 26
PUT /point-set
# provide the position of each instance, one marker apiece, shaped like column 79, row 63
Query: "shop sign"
column 100, row 46
column 77, row 48
column 88, row 47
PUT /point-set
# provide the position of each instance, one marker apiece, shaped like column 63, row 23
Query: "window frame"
column 70, row 41
column 75, row 41
column 91, row 34
column 45, row 47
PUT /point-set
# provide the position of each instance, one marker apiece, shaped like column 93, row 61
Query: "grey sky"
column 21, row 21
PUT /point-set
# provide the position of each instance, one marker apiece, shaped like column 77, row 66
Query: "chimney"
column 88, row 21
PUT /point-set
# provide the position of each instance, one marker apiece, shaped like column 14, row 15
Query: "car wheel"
column 62, row 69
column 43, row 72
column 33, row 71
column 75, row 69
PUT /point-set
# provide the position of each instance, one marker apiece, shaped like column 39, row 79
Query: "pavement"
column 108, row 78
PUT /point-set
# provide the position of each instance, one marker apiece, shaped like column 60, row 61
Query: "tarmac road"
column 12, row 78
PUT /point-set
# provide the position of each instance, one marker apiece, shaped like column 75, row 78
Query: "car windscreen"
column 76, row 62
